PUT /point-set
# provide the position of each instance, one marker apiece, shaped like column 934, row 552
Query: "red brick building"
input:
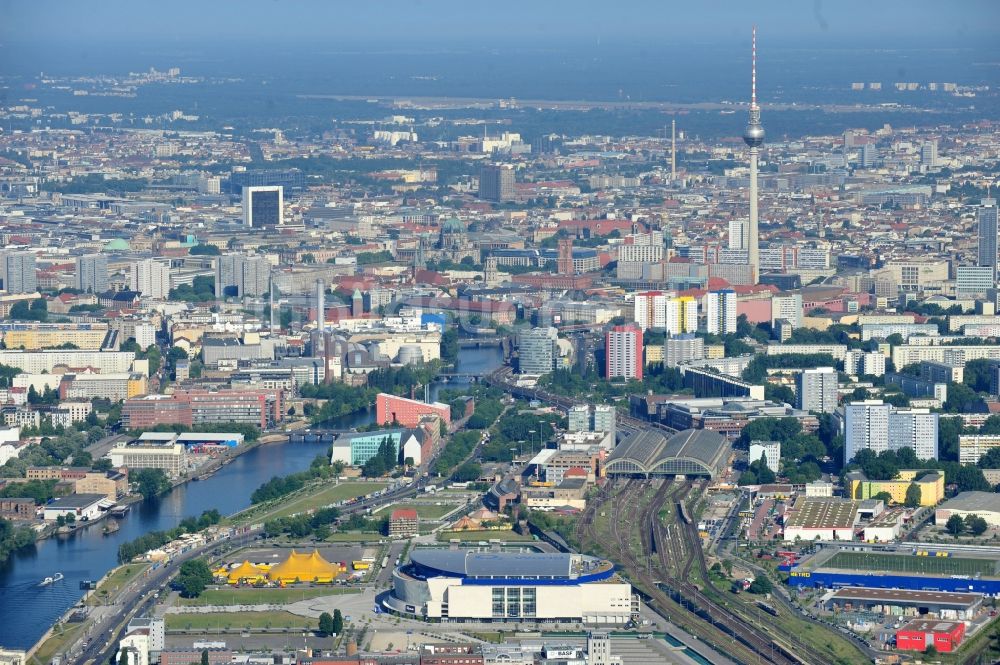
column 945, row 636
column 189, row 656
column 390, row 409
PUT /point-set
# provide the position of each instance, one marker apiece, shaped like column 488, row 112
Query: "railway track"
column 698, row 621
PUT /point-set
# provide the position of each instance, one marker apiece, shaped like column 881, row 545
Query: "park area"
column 908, row 563
column 265, row 596
column 238, row 621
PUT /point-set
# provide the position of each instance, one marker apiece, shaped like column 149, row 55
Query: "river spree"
column 27, row 610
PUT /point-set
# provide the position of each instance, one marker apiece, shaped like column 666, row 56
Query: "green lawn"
column 118, row 578
column 251, row 596
column 426, row 511
column 354, row 537
column 506, row 536
column 313, row 497
column 237, row 620
column 60, row 639
column 908, row 563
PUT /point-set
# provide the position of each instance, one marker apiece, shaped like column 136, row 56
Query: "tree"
column 150, row 482
column 204, row 250
column 955, row 525
column 976, row 525
column 963, row 399
column 326, row 624
column 338, row 622
column 193, row 577
column 913, row 496
column 204, row 657
column 761, row 585
column 883, row 496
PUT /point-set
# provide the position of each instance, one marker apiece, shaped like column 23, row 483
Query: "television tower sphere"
column 753, row 135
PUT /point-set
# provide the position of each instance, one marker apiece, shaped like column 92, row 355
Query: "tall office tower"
column 605, row 418
column 151, row 278
column 17, row 270
column 264, row 207
column 878, row 427
column 564, row 262
column 753, row 136
column 737, row 234
column 496, row 182
column 92, row 273
column 869, row 154
column 623, row 353
column 538, row 350
column 578, row 418
column 816, row 390
column 649, row 309
column 929, row 153
column 681, row 315
column 239, row 275
column 720, row 310
column 987, row 216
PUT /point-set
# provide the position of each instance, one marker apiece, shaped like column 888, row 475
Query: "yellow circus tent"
column 304, row 568
column 245, row 572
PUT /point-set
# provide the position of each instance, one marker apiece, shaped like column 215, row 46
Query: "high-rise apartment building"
column 538, row 350
column 649, row 309
column 264, row 207
column 787, row 307
column 496, row 182
column 987, row 216
column 92, row 273
column 623, row 353
column 682, row 348
column 578, row 418
column 929, row 153
column 737, row 234
column 681, row 315
column 877, row 426
column 605, row 418
column 17, row 270
column 720, row 311
column 240, row 275
column 817, row 390
column 151, row 278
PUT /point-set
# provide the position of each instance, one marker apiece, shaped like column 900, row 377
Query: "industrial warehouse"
column 476, row 586
column 693, row 452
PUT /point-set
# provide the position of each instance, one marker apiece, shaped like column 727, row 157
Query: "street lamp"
column 531, row 431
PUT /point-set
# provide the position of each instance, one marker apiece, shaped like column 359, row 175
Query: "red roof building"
column 918, row 635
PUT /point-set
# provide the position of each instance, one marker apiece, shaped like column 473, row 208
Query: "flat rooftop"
column 76, row 501
column 823, row 514
column 907, row 596
column 988, row 502
column 930, row 626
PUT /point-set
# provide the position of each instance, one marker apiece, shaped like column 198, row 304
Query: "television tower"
column 753, row 136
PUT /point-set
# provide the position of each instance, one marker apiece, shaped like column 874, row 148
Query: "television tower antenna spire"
column 753, row 136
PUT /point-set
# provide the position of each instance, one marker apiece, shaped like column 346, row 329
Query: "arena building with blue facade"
column 463, row 585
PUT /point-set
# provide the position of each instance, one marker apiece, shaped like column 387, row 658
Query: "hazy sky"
column 381, row 22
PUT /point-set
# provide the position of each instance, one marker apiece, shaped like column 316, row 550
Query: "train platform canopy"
column 694, row 452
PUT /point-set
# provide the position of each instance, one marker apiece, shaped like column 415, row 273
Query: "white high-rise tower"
column 753, row 136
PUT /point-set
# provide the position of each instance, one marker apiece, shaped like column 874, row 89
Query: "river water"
column 27, row 610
